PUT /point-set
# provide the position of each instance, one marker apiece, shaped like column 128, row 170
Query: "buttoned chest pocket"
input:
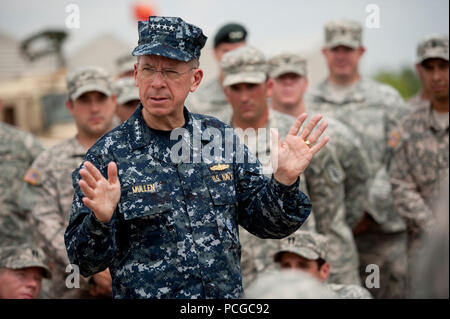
column 326, row 167
column 144, row 209
column 221, row 184
column 423, row 159
column 144, row 200
column 219, row 180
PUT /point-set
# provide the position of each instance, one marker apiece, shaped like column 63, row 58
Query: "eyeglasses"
column 149, row 73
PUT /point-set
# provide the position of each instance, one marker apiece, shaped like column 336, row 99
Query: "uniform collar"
column 76, row 149
column 263, row 140
column 216, row 92
column 323, row 93
column 141, row 136
column 430, row 120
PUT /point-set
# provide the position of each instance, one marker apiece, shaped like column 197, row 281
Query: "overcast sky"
column 274, row 25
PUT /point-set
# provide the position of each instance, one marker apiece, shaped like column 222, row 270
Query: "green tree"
column 405, row 81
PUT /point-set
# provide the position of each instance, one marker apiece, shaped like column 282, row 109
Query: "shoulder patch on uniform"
column 394, row 139
column 32, row 176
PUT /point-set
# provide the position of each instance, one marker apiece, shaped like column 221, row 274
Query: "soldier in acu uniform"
column 48, row 191
column 286, row 86
column 18, row 150
column 22, row 268
column 308, row 251
column 210, row 98
column 371, row 110
column 245, row 81
column 125, row 66
column 421, row 157
column 127, row 95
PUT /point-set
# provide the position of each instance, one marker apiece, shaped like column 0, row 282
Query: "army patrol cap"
column 433, row 46
column 244, row 65
column 169, row 37
column 125, row 90
column 87, row 79
column 230, row 33
column 287, row 63
column 125, row 63
column 306, row 244
column 343, row 32
column 24, row 256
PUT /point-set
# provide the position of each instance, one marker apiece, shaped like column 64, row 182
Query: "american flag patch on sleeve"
column 32, row 176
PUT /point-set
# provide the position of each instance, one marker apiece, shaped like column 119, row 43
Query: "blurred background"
column 41, row 40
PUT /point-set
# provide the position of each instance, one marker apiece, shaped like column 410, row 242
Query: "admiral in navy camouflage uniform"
column 210, row 99
column 322, row 180
column 174, row 232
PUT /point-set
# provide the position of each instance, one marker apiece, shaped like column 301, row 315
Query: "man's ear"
column 305, row 84
column 135, row 74
column 324, row 271
column 226, row 90
column 114, row 101
column 362, row 50
column 69, row 106
column 418, row 68
column 270, row 85
column 196, row 78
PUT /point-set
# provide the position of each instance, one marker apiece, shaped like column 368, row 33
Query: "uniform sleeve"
column 267, row 208
column 407, row 199
column 26, row 149
column 33, row 146
column 354, row 162
column 325, row 180
column 89, row 242
column 42, row 200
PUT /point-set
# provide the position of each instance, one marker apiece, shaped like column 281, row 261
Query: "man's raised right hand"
column 101, row 194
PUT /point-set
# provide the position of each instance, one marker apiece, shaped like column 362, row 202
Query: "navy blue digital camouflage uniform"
column 174, row 232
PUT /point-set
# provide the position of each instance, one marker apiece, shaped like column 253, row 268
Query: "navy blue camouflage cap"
column 170, row 37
